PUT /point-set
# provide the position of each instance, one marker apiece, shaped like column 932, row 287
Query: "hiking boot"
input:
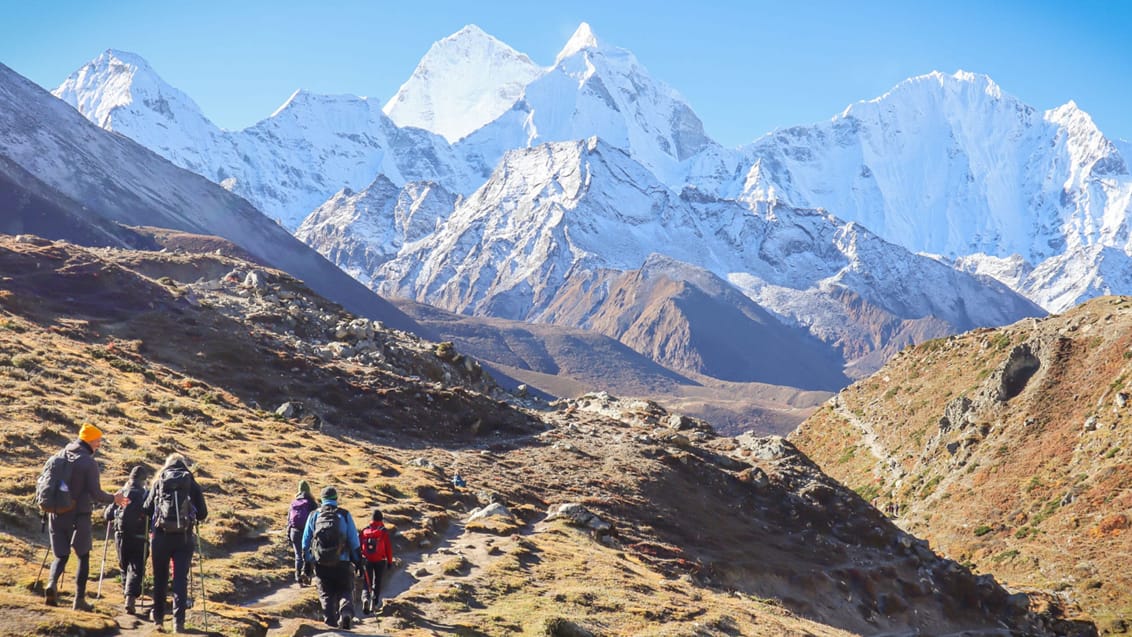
column 50, row 595
column 345, row 621
column 81, row 604
column 179, row 627
column 131, row 604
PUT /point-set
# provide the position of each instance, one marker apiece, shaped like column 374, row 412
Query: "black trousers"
column 373, row 574
column 179, row 548
column 131, row 559
column 336, row 590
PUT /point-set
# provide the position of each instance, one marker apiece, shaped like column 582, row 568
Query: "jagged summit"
column 582, row 39
column 464, row 81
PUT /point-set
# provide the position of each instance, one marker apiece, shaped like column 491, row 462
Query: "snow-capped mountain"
column 361, row 231
column 595, row 89
column 464, row 81
column 951, row 165
column 98, row 180
column 286, row 165
column 555, row 212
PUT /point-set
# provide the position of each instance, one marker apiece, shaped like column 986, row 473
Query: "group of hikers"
column 325, row 539
column 162, row 519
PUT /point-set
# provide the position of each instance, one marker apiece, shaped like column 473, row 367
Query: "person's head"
column 377, row 517
column 138, row 475
column 91, row 435
column 329, row 494
column 175, row 458
column 304, row 489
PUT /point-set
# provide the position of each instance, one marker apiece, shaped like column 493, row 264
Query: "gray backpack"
column 52, row 489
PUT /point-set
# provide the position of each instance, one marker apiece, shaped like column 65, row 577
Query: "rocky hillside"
column 1010, row 450
column 581, row 517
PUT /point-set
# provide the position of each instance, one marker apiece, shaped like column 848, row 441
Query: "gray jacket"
column 86, row 485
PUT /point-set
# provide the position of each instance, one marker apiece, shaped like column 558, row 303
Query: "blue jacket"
column 353, row 552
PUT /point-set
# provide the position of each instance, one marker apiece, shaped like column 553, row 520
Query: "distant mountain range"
column 930, row 210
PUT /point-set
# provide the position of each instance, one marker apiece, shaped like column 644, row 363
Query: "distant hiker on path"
column 75, row 473
column 175, row 504
column 378, row 553
column 300, row 510
column 331, row 542
column 131, row 535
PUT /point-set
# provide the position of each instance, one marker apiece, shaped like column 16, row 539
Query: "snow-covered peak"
column 121, row 80
column 582, row 39
column 961, row 87
column 464, row 81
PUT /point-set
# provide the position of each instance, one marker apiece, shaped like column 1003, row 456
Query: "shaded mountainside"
column 114, row 180
column 176, row 352
column 1009, row 449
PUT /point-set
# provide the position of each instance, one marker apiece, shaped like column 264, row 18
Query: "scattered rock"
column 289, row 410
column 491, row 510
column 577, row 515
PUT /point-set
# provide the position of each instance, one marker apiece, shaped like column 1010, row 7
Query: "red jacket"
column 375, row 543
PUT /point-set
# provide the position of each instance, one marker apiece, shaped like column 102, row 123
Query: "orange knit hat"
column 89, row 433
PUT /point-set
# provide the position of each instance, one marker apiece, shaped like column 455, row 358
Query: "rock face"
column 1008, row 448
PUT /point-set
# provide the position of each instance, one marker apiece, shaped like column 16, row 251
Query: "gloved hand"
column 359, row 566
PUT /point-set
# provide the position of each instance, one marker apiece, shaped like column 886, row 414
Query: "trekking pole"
column 46, row 552
column 102, row 569
column 145, row 559
column 203, row 593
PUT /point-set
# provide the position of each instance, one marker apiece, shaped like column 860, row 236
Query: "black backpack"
column 130, row 519
column 52, row 489
column 328, row 541
column 173, row 510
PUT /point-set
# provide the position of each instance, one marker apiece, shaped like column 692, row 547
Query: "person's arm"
column 197, row 497
column 94, row 486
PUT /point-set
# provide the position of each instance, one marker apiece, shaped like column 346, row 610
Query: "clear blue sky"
column 745, row 67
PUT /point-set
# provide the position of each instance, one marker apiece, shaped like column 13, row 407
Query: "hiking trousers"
column 179, row 548
column 374, row 573
column 336, row 590
column 296, row 537
column 66, row 531
column 131, row 559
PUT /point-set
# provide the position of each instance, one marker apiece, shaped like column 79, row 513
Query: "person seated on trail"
column 175, row 504
column 332, row 544
column 131, row 534
column 378, row 552
column 71, row 528
column 297, row 515
column 458, row 480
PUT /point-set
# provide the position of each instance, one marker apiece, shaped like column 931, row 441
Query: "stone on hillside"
column 679, row 422
column 1121, row 399
column 256, row 280
column 422, row 462
column 339, row 349
column 495, row 509
column 1091, row 423
column 766, row 447
column 577, row 515
column 754, row 476
column 522, row 391
column 288, row 410
column 559, row 627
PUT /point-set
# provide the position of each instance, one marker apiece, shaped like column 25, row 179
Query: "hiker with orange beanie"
column 71, row 529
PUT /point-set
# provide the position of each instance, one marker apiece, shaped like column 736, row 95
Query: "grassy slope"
column 1024, row 489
